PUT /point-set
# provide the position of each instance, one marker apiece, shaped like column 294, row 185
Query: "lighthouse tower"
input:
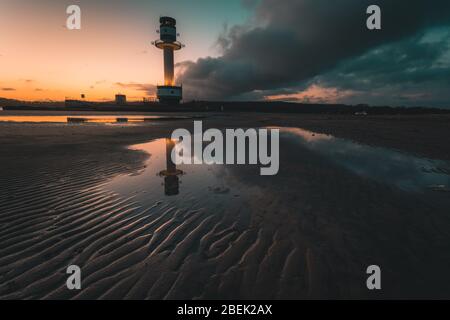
column 169, row 93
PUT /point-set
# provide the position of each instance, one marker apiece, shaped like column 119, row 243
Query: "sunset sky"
column 41, row 59
column 290, row 50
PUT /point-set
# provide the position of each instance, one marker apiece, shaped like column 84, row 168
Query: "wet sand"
column 308, row 232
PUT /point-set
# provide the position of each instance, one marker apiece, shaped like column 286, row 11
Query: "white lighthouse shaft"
column 168, row 67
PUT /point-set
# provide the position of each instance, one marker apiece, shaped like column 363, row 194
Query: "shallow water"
column 82, row 119
column 386, row 166
column 335, row 208
column 404, row 171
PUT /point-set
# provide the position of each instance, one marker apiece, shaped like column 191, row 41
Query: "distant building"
column 71, row 103
column 121, row 99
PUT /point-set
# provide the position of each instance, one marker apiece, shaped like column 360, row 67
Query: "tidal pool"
column 407, row 172
column 335, row 208
column 390, row 167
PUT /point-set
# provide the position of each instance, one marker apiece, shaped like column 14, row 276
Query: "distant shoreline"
column 215, row 106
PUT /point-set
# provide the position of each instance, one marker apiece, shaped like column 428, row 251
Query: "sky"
column 313, row 51
column 41, row 59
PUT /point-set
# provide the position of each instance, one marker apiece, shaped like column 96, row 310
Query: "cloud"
column 288, row 43
column 250, row 4
column 8, row 89
column 313, row 94
column 147, row 88
column 415, row 71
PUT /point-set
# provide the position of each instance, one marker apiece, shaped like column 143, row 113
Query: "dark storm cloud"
column 250, row 4
column 413, row 60
column 8, row 89
column 292, row 41
column 413, row 71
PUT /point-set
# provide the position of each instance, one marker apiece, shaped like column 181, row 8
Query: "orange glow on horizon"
column 42, row 60
column 313, row 94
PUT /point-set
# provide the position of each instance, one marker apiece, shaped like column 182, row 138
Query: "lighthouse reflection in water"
column 160, row 180
column 171, row 173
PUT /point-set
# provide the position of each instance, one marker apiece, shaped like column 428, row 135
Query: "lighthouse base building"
column 169, row 94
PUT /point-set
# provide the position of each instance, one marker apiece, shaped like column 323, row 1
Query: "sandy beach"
column 89, row 194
